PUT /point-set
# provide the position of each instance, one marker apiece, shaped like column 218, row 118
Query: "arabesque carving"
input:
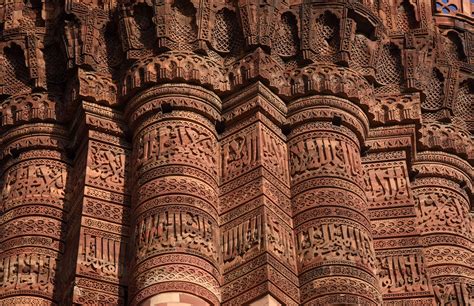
column 220, row 152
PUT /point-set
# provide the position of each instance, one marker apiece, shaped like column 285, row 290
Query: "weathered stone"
column 247, row 152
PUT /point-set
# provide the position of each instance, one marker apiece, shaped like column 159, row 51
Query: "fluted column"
column 401, row 271
column 335, row 253
column 98, row 220
column 175, row 196
column 33, row 182
column 257, row 239
column 442, row 191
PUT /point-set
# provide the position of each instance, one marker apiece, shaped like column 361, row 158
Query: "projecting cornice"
column 399, row 61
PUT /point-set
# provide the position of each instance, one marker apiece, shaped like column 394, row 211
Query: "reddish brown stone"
column 278, row 152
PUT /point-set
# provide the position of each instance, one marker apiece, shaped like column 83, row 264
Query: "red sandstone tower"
column 250, row 152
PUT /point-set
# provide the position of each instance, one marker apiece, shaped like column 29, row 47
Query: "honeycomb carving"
column 217, row 152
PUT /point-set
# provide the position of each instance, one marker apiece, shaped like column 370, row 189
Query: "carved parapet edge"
column 25, row 108
column 173, row 66
column 176, row 97
column 329, row 79
column 326, row 109
column 395, row 109
column 447, row 138
column 196, row 69
column 368, row 9
column 260, row 66
column 454, row 20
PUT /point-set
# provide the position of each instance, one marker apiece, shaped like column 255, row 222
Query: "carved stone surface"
column 245, row 152
column 33, row 196
column 165, row 145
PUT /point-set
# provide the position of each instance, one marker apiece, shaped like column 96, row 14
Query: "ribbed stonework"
column 336, row 256
column 175, row 193
column 251, row 152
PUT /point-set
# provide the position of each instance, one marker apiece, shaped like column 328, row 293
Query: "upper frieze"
column 378, row 52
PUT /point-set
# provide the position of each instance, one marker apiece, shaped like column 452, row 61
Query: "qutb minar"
column 236, row 152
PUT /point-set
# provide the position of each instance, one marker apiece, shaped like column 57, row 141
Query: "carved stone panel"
column 387, row 182
column 28, row 272
column 331, row 244
column 402, row 274
column 171, row 229
column 315, row 154
column 176, row 142
column 35, row 181
column 309, row 152
column 253, row 147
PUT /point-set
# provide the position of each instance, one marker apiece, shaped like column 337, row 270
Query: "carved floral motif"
column 316, row 151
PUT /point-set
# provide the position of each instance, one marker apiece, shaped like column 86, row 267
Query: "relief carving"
column 274, row 155
column 455, row 294
column 169, row 230
column 242, row 241
column 28, row 272
column 386, row 183
column 177, row 142
column 107, row 166
column 333, row 242
column 280, row 240
column 253, row 147
column 241, row 153
column 102, row 256
column 283, row 95
column 402, row 274
column 35, row 180
column 324, row 155
column 443, row 211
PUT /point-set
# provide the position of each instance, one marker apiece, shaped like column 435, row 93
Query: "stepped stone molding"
column 251, row 152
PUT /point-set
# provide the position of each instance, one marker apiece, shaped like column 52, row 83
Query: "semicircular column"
column 33, row 172
column 336, row 257
column 443, row 204
column 175, row 195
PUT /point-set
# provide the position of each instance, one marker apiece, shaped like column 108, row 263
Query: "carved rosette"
column 175, row 198
column 443, row 190
column 33, row 180
column 335, row 253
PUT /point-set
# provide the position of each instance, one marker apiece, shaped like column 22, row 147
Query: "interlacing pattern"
column 226, row 33
column 434, row 92
column 183, row 23
column 286, row 36
column 389, row 65
column 250, row 152
column 326, row 34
